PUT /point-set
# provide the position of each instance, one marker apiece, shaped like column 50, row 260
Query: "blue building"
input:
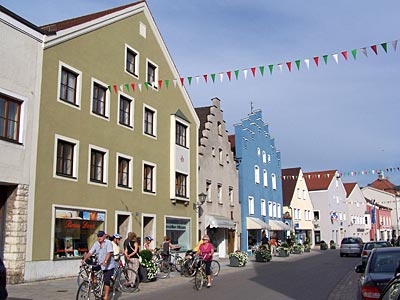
column 260, row 185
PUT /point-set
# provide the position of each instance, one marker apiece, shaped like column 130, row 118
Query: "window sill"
column 10, row 141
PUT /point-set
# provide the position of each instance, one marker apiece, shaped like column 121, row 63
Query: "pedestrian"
column 206, row 251
column 273, row 244
column 264, row 238
column 104, row 250
column 132, row 254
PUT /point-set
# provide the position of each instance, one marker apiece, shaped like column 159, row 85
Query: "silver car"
column 368, row 246
column 351, row 246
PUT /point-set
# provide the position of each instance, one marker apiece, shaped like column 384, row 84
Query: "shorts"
column 107, row 276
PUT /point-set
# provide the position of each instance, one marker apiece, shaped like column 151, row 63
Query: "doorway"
column 149, row 229
column 231, row 241
column 123, row 223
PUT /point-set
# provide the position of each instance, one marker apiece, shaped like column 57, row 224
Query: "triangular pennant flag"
column 375, row 49
column 335, row 57
column 213, row 77
column 384, row 46
column 133, row 87
column 271, row 67
column 364, row 50
column 146, row 84
column 167, row 83
column 298, row 64
column 115, row 88
column 205, row 77
column 261, row 70
column 245, row 73
column 109, row 88
column 325, row 59
column 121, row 87
column 289, row 65
column 221, row 77
column 316, row 60
column 160, row 84
column 394, row 44
column 354, row 52
column 253, row 70
column 229, row 74
column 175, row 81
column 140, row 87
column 307, row 62
column 237, row 74
column 127, row 87
column 280, row 67
column 190, row 80
column 197, row 79
column 344, row 53
column 182, row 80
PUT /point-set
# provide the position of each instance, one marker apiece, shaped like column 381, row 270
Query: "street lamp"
column 200, row 201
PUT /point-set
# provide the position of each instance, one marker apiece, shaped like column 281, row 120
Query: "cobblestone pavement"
column 346, row 288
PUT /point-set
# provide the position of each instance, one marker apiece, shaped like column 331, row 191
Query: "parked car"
column 380, row 269
column 3, row 281
column 368, row 246
column 392, row 289
column 351, row 246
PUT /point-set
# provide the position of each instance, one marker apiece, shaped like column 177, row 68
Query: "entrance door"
column 123, row 224
column 231, row 241
column 149, row 228
column 317, row 235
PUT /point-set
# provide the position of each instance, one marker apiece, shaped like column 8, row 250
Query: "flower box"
column 307, row 249
column 238, row 259
column 234, row 261
column 263, row 256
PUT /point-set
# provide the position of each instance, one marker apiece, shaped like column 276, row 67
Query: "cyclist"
column 104, row 249
column 147, row 243
column 116, row 238
column 166, row 245
column 206, row 250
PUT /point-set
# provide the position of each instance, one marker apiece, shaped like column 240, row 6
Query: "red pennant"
column 133, row 87
column 159, row 84
column 375, row 49
column 316, row 60
column 229, row 73
column 344, row 53
column 115, row 88
column 182, row 80
column 205, row 77
column 289, row 66
column 253, row 70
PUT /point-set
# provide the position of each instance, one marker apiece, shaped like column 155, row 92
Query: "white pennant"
column 364, row 50
column 335, row 57
column 245, row 73
column 394, row 44
column 221, row 76
column 280, row 67
column 175, row 81
column 140, row 87
column 197, row 79
column 307, row 62
column 121, row 87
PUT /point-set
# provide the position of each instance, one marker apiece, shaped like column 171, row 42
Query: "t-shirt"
column 165, row 247
column 131, row 249
column 101, row 251
column 116, row 250
column 206, row 250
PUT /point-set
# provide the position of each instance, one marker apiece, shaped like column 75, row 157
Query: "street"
column 317, row 275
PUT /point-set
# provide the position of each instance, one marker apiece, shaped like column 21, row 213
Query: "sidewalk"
column 66, row 288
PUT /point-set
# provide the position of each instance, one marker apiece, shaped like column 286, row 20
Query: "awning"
column 277, row 225
column 219, row 222
column 255, row 223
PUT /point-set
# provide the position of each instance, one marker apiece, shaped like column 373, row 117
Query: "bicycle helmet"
column 117, row 236
column 149, row 238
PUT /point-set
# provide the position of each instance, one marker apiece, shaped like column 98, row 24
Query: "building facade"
column 381, row 221
column 219, row 216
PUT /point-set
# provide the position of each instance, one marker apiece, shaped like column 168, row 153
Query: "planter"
column 260, row 257
column 283, row 254
column 307, row 249
column 234, row 262
column 143, row 274
column 297, row 252
column 324, row 247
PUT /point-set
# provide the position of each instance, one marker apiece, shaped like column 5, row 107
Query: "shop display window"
column 179, row 231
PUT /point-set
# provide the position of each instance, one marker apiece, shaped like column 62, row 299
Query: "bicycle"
column 92, row 287
column 84, row 270
column 176, row 261
column 189, row 265
column 200, row 277
column 122, row 276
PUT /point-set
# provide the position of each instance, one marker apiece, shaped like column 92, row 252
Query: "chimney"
column 381, row 175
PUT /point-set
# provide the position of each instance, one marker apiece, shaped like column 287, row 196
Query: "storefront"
column 75, row 231
column 218, row 228
column 178, row 229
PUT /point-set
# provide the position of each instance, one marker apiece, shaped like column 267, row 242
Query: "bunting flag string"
column 322, row 175
column 187, row 81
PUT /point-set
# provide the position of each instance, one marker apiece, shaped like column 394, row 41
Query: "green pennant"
column 354, row 52
column 298, row 64
column 384, row 46
column 237, row 74
column 213, row 77
column 109, row 88
column 166, row 82
column 146, row 84
column 190, row 80
column 262, row 70
column 127, row 87
column 271, row 67
column 325, row 58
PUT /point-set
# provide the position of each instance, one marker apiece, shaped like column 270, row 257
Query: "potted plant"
column 298, row 249
column 147, row 269
column 332, row 244
column 283, row 250
column 238, row 259
column 323, row 245
column 307, row 247
column 263, row 254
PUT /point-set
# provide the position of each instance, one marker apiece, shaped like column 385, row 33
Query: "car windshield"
column 350, row 241
column 370, row 246
column 384, row 262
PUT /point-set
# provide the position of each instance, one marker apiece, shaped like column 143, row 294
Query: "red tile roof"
column 319, row 180
column 384, row 185
column 349, row 187
column 54, row 27
column 289, row 184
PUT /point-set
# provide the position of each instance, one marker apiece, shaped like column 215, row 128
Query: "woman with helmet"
column 147, row 243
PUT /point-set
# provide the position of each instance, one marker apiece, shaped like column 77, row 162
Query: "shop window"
column 178, row 230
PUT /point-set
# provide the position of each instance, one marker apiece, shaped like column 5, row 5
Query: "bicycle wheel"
column 199, row 278
column 178, row 263
column 128, row 280
column 85, row 292
column 163, row 269
column 82, row 276
column 215, row 267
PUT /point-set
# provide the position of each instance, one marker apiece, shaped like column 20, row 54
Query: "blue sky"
column 338, row 116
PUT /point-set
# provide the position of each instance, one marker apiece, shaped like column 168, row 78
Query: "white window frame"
column 273, row 179
column 264, row 157
column 231, row 196
column 209, row 190
column 263, row 208
column 75, row 160
column 137, row 60
column 154, row 136
column 270, row 212
column 130, row 180
column 219, row 193
column 221, row 156
column 130, row 126
column 257, row 174
column 23, row 102
column 105, row 167
column 278, row 210
column 78, row 95
column 251, row 205
column 274, row 210
column 155, row 84
column 154, row 184
column 258, row 152
column 107, row 100
column 265, row 178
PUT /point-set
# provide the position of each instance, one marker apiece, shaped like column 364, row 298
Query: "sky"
column 340, row 116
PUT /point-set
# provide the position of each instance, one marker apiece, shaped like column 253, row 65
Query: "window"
column 298, row 193
column 219, row 193
column 263, row 208
column 148, row 178
column 124, row 171
column 219, row 128
column 316, row 215
column 100, row 99
column 258, row 152
column 69, row 85
column 304, row 194
column 270, row 213
column 125, row 111
column 256, row 174
column 273, row 178
column 278, row 210
column 220, row 157
column 180, row 185
column 269, row 157
column 274, row 210
column 178, row 229
column 180, row 134
column 265, row 178
column 251, row 205
column 10, row 111
column 152, row 74
column 208, row 191
column 65, row 158
column 231, row 196
column 149, row 121
column 98, row 165
column 264, row 157
column 213, row 151
column 132, row 61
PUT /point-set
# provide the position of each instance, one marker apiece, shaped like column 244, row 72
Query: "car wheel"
column 341, row 254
